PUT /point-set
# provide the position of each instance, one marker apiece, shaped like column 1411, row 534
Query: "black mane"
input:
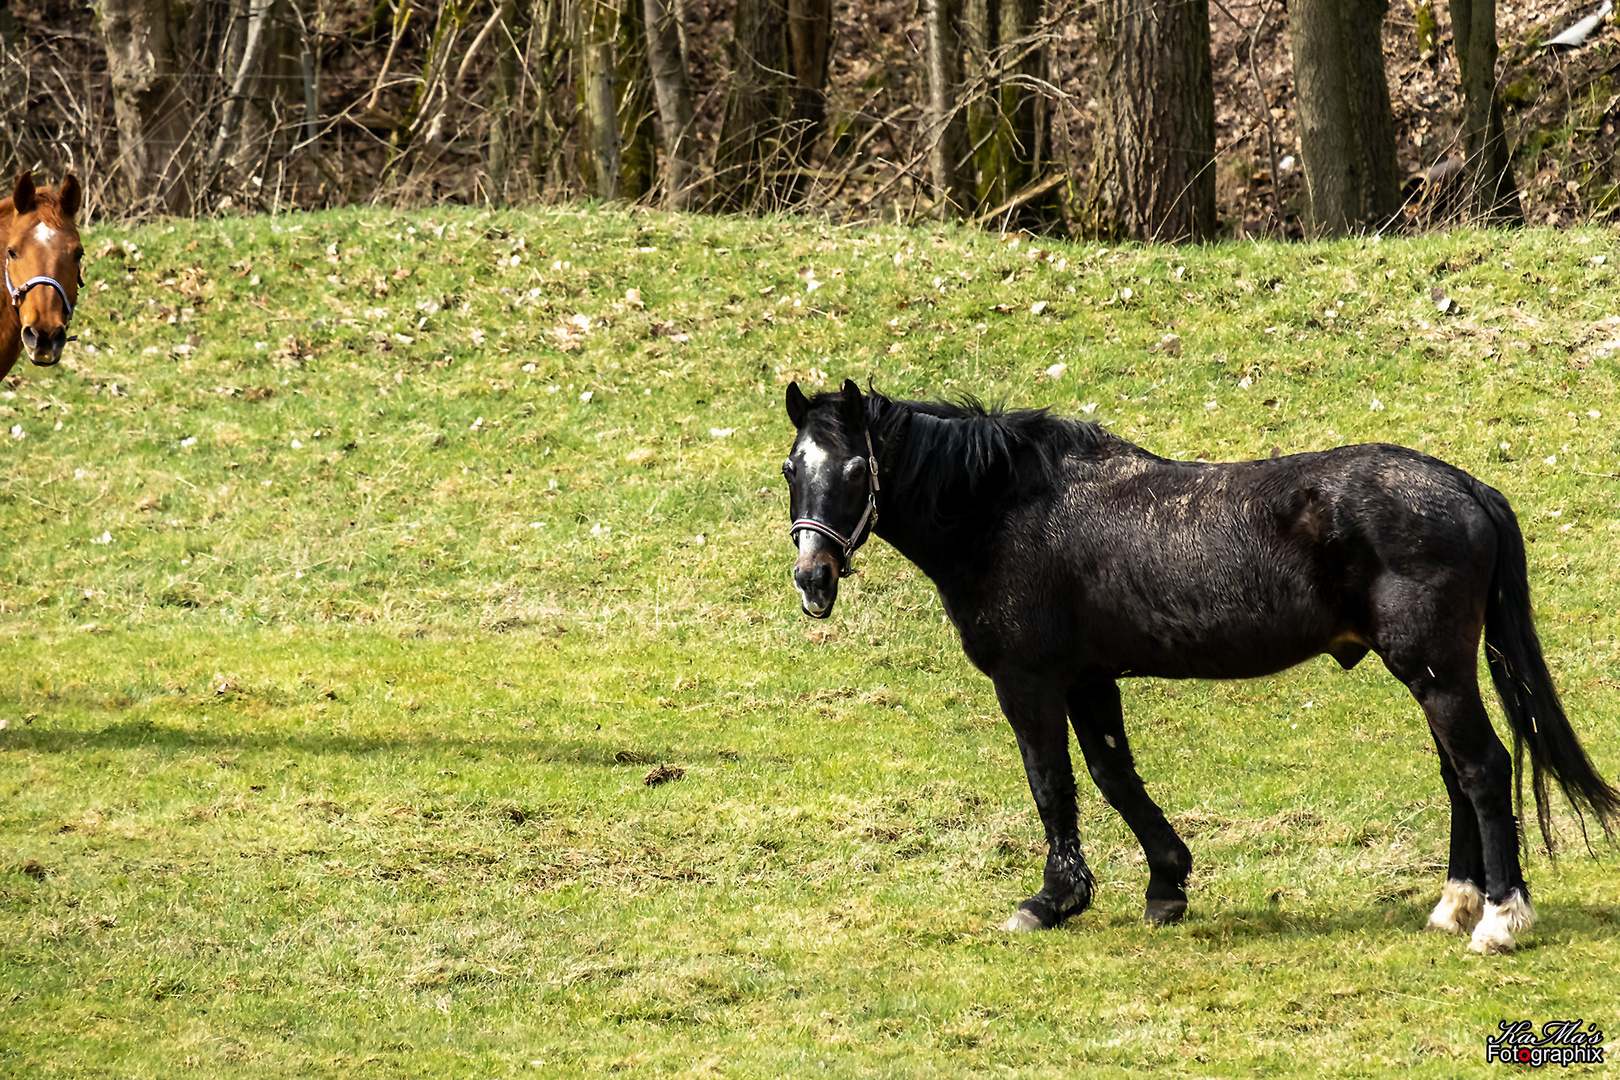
column 986, row 444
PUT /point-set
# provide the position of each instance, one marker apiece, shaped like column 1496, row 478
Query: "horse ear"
column 69, row 196
column 798, row 407
column 22, row 199
column 854, row 410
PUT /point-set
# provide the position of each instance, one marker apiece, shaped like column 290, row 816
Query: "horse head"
column 832, row 478
column 43, row 253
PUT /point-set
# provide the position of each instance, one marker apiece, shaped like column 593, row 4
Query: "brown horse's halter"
column 863, row 527
column 18, row 292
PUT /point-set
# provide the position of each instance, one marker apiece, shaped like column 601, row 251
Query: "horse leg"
column 1461, row 901
column 1484, row 775
column 1035, row 711
column 1099, row 724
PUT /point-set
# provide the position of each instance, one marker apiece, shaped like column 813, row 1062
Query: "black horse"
column 1068, row 558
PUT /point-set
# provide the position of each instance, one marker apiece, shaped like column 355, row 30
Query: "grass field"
column 361, row 568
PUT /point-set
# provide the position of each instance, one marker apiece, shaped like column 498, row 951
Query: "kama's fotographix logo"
column 1560, row 1042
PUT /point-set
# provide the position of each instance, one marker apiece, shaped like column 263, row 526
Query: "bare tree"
column 1153, row 176
column 1493, row 196
column 503, row 99
column 944, row 131
column 666, row 60
column 236, row 101
column 600, row 161
column 775, row 101
column 553, row 66
column 1008, row 123
column 809, row 35
column 1347, row 130
column 154, row 119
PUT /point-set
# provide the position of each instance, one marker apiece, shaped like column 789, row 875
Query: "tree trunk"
column 1153, row 177
column 1493, row 195
column 666, row 59
column 989, row 137
column 945, row 124
column 758, row 103
column 1023, row 105
column 422, row 128
column 632, row 87
column 154, row 119
column 618, row 158
column 309, row 64
column 600, row 156
column 503, row 95
column 236, row 99
column 809, row 27
column 1004, row 65
column 776, row 101
column 10, row 70
column 1347, row 130
column 554, row 69
column 9, row 32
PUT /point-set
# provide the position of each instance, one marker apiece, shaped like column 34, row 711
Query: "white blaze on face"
column 44, row 234
column 816, row 466
column 815, row 460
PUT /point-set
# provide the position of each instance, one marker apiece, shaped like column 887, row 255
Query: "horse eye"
column 787, row 468
column 78, row 256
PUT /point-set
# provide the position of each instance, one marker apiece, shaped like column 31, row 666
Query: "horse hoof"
column 1164, row 912
column 1023, row 922
column 1460, row 906
column 1494, row 934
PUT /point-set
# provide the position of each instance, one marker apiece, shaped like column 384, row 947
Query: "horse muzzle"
column 44, row 350
column 816, row 578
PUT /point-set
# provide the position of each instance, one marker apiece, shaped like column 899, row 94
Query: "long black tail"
column 1513, row 653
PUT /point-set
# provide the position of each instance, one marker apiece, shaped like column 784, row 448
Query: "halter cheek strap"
column 863, row 527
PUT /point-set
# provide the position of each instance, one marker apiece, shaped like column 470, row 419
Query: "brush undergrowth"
column 361, row 568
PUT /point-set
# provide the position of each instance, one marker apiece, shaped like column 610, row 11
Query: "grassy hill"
column 362, row 567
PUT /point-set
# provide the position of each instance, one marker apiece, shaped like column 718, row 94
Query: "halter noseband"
column 863, row 527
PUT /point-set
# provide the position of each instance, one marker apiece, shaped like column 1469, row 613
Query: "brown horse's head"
column 42, row 264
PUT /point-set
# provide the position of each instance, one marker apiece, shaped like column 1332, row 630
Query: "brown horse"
column 42, row 249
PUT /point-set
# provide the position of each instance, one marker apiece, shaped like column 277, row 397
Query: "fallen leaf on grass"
column 662, row 774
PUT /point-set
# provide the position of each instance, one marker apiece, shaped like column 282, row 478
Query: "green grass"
column 356, row 575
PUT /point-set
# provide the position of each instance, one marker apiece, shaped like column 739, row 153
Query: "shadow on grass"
column 142, row 734
column 1556, row 923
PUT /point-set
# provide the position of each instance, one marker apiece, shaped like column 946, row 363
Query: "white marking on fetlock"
column 1459, row 908
column 1496, row 928
column 1022, row 922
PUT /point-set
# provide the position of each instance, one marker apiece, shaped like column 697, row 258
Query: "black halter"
column 863, row 527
